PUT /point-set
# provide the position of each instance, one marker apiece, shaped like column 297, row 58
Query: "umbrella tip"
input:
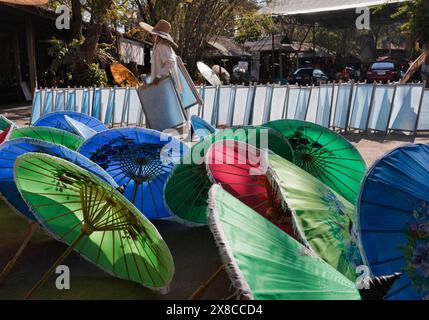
column 121, row 189
column 379, row 287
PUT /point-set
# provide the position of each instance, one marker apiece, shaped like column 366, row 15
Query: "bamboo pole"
column 51, row 270
column 202, row 289
column 8, row 268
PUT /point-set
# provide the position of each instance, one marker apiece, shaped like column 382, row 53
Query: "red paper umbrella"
column 3, row 135
column 241, row 170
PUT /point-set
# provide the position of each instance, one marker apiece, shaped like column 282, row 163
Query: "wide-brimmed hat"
column 161, row 29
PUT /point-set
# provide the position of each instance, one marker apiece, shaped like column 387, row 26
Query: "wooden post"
column 17, row 56
column 31, row 53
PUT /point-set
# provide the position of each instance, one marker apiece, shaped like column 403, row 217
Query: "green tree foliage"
column 418, row 13
column 194, row 22
column 252, row 26
column 81, row 57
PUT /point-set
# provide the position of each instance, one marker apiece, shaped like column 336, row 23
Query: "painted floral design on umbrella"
column 324, row 154
column 416, row 251
column 139, row 160
column 343, row 228
column 394, row 220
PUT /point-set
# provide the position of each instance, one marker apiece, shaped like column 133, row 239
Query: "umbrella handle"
column 51, row 270
column 202, row 289
column 8, row 268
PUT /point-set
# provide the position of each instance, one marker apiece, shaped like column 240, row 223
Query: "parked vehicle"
column 309, row 76
column 383, row 71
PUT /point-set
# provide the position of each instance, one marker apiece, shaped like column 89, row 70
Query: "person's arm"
column 168, row 60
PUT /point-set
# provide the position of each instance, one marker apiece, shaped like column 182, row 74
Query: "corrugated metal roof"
column 226, row 47
column 292, row 7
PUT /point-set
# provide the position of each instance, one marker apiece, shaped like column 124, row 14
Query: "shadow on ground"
column 20, row 114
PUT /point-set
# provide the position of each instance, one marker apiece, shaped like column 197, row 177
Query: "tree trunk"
column 76, row 20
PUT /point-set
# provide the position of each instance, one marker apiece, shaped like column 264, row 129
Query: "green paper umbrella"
column 265, row 263
column 53, row 135
column 187, row 188
column 324, row 154
column 94, row 219
column 325, row 220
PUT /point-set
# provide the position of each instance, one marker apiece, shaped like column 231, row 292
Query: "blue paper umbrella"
column 11, row 150
column 394, row 220
column 140, row 161
column 59, row 121
column 201, row 127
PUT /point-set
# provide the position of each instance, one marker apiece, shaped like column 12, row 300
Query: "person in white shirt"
column 164, row 59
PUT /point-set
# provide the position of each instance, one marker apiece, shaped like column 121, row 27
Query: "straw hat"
column 162, row 29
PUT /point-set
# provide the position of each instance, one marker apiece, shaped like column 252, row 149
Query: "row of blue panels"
column 344, row 106
column 113, row 106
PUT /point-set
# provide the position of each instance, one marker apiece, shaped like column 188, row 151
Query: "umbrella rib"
column 82, row 245
column 99, row 214
column 244, row 184
column 198, row 195
column 113, row 252
column 55, row 204
column 62, row 215
column 321, row 133
column 244, row 175
column 54, row 194
column 249, row 194
column 144, row 260
column 158, row 259
column 71, row 230
column 185, row 170
column 88, row 200
column 345, row 159
column 381, row 262
column 397, row 291
column 85, row 203
column 334, row 185
column 347, row 175
column 260, row 204
column 37, row 133
column 135, row 261
column 160, row 191
column 123, row 253
column 38, row 181
column 97, row 259
column 381, row 231
column 324, row 173
column 96, row 211
column 113, row 224
column 199, row 187
column 342, row 166
column 397, row 189
column 407, row 212
column 179, row 183
column 153, row 198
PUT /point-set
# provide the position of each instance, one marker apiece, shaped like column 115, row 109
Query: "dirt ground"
column 193, row 249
